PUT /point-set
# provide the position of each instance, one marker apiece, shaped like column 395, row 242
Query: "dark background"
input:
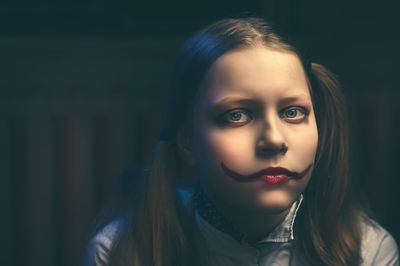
column 82, row 85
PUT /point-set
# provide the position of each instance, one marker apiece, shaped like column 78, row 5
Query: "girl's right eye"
column 236, row 117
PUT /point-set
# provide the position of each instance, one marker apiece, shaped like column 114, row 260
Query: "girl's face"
column 254, row 112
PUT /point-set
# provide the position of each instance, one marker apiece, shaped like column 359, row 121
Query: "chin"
column 276, row 201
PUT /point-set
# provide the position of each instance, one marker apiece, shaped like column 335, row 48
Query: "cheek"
column 228, row 147
column 313, row 138
column 305, row 145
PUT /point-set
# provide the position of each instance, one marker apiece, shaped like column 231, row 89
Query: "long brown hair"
column 159, row 230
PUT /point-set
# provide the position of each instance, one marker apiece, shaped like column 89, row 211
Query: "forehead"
column 259, row 71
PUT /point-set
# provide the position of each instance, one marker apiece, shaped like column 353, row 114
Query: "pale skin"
column 253, row 102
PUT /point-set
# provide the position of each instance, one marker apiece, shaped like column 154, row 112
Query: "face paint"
column 270, row 175
column 253, row 102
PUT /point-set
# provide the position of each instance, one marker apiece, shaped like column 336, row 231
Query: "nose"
column 271, row 140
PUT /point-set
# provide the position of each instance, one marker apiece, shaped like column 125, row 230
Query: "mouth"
column 270, row 175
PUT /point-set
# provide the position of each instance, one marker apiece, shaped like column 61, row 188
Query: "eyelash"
column 223, row 118
column 304, row 111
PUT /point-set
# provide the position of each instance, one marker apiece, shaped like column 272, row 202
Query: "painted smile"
column 271, row 175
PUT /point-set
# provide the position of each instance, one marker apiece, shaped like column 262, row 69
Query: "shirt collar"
column 210, row 214
column 284, row 232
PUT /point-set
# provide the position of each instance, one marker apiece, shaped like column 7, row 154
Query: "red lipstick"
column 270, row 175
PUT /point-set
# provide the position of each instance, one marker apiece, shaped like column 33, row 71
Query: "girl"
column 263, row 133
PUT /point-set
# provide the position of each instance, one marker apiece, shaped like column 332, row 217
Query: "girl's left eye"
column 295, row 114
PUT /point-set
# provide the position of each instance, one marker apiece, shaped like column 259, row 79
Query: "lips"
column 275, row 179
column 270, row 175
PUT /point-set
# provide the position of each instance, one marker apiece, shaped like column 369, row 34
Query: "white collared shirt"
column 274, row 249
column 277, row 248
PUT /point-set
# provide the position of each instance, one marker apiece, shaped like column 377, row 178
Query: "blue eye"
column 236, row 117
column 295, row 114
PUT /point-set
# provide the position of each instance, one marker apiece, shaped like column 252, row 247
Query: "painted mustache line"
column 263, row 172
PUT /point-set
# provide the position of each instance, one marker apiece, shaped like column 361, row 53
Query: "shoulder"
column 378, row 246
column 99, row 247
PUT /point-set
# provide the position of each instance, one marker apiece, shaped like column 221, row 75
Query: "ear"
column 185, row 146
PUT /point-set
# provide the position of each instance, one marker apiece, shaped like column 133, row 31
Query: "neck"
column 254, row 225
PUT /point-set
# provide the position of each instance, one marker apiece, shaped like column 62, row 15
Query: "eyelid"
column 236, row 109
column 303, row 109
column 243, row 110
column 221, row 118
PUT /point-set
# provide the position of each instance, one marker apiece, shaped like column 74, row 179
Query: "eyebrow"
column 221, row 104
column 239, row 100
column 216, row 106
column 227, row 100
column 299, row 97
